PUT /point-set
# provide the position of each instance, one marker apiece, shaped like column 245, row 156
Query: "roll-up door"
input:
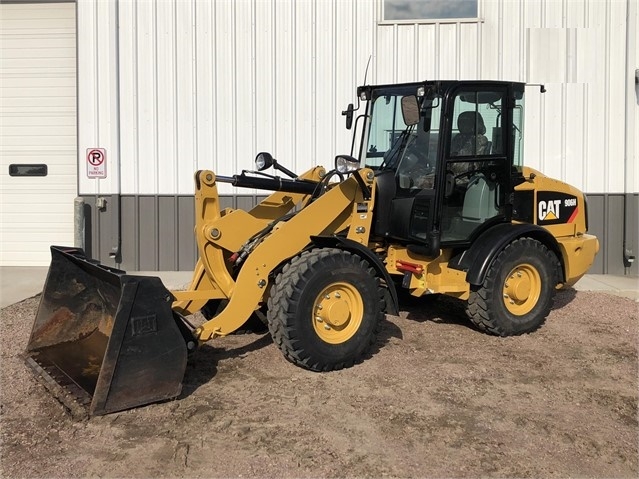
column 38, row 166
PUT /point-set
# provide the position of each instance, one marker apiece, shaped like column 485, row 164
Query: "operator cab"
column 444, row 155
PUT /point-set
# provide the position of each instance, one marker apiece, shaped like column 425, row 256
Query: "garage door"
column 38, row 172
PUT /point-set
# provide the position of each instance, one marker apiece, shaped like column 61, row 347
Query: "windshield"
column 390, row 138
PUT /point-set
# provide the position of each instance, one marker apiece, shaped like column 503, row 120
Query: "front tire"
column 517, row 293
column 325, row 309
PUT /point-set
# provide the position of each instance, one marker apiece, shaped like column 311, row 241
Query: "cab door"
column 412, row 210
column 476, row 164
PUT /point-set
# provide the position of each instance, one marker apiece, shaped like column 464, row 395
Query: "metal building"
column 119, row 102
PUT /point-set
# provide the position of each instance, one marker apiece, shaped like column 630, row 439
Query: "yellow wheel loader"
column 433, row 199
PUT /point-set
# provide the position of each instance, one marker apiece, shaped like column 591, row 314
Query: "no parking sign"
column 96, row 163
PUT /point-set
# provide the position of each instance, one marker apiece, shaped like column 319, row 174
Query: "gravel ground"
column 436, row 399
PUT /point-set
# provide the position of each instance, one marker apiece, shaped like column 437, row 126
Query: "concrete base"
column 624, row 286
column 18, row 283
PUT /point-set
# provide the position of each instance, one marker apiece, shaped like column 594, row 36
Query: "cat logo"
column 548, row 210
column 555, row 208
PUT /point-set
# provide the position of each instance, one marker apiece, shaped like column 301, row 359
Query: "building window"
column 429, row 9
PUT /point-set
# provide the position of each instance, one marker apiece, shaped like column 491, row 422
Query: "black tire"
column 517, row 293
column 325, row 309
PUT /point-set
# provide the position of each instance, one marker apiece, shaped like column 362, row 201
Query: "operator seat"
column 470, row 141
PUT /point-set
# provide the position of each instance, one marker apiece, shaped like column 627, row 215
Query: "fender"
column 368, row 255
column 477, row 259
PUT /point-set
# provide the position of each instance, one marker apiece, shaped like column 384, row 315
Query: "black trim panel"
column 477, row 259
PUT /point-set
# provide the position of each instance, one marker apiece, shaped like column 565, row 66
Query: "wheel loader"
column 433, row 198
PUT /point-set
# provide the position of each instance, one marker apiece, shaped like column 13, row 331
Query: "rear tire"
column 325, row 309
column 517, row 292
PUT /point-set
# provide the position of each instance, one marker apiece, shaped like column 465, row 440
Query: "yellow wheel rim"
column 337, row 313
column 522, row 289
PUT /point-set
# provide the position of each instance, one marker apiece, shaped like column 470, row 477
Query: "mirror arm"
column 283, row 169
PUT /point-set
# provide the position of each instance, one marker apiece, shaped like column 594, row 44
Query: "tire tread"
column 284, row 298
column 480, row 307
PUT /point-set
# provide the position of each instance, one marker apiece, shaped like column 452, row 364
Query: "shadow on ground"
column 443, row 309
column 202, row 364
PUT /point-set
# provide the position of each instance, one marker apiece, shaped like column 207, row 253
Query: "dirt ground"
column 436, row 399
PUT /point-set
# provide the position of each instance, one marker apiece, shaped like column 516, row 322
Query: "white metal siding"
column 632, row 138
column 209, row 84
column 37, row 125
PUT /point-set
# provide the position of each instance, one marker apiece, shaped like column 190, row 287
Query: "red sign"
column 96, row 163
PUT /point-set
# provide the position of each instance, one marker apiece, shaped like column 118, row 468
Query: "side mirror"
column 410, row 110
column 348, row 113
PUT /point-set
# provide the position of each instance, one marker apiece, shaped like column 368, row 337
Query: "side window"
column 518, row 132
column 477, row 124
column 418, row 163
column 387, row 125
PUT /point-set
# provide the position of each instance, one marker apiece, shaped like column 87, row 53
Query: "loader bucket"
column 104, row 341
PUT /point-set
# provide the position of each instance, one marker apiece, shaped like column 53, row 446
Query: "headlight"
column 263, row 161
column 346, row 163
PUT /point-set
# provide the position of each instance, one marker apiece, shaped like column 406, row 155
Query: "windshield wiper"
column 399, row 145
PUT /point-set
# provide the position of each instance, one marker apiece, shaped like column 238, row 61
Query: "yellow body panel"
column 225, row 232
column 578, row 249
column 579, row 253
column 435, row 275
column 327, row 214
column 220, row 232
column 343, row 209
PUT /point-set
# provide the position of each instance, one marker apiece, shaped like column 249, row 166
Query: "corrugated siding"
column 210, row 84
column 632, row 177
column 175, row 86
column 100, row 113
column 574, row 131
column 604, row 222
column 207, row 85
column 157, row 230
